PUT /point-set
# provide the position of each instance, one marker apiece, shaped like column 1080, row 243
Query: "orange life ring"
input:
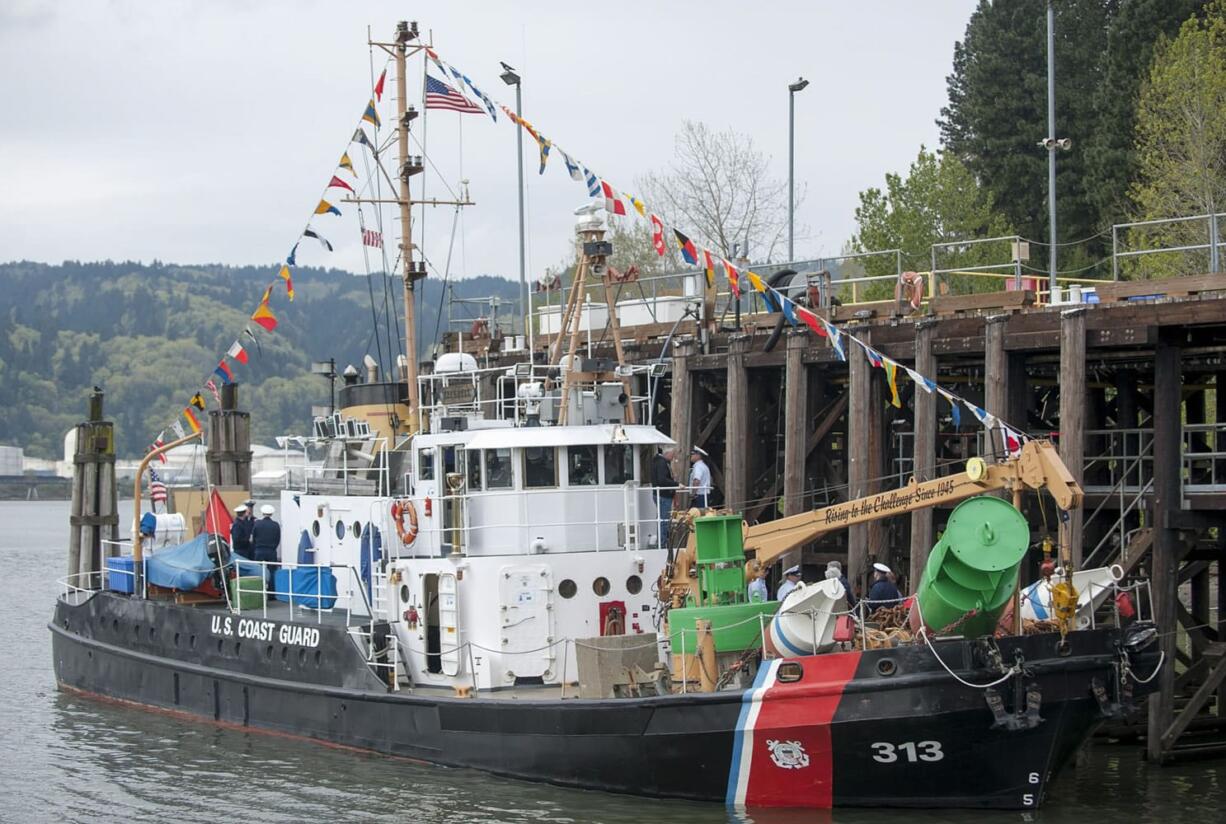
column 399, row 510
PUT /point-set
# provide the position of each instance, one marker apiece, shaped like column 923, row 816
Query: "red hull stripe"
column 782, row 755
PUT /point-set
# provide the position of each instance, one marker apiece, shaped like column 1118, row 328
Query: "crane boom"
column 1036, row 466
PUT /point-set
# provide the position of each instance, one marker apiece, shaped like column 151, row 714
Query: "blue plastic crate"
column 121, row 574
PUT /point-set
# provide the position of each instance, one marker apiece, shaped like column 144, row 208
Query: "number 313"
column 886, row 753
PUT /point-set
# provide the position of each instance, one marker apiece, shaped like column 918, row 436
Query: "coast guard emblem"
column 789, row 755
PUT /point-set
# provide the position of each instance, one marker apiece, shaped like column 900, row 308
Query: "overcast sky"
column 197, row 132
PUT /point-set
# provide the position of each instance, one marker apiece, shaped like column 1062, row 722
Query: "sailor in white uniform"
column 700, row 478
column 791, row 577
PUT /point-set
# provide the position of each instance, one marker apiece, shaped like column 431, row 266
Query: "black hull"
column 843, row 735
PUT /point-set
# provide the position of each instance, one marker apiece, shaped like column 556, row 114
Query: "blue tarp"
column 306, row 548
column 372, row 553
column 306, row 587
column 180, row 567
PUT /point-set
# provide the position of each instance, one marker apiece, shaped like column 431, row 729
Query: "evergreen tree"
column 997, row 112
column 1110, row 157
column 1181, row 141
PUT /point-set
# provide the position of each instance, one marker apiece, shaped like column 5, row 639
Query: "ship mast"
column 407, row 166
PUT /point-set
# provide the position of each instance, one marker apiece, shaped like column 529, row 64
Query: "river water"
column 65, row 759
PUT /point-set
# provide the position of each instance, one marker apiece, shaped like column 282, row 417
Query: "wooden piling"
column 995, row 377
column 736, row 426
column 682, row 412
column 228, row 455
column 925, row 449
column 1164, row 577
column 858, row 429
column 1073, row 410
column 94, row 522
column 795, row 424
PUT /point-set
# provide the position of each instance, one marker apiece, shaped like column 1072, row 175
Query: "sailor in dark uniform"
column 266, row 539
column 883, row 592
column 240, row 532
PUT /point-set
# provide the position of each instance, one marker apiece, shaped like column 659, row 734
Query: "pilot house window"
column 425, row 464
column 540, row 467
column 473, row 460
column 618, row 464
column 581, row 465
column 498, row 469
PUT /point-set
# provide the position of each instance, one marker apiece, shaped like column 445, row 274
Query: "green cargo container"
column 250, row 592
column 736, row 627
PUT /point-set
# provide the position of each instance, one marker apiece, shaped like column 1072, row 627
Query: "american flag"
column 441, row 96
column 157, row 489
column 372, row 238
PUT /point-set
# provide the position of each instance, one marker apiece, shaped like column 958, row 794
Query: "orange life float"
column 401, row 509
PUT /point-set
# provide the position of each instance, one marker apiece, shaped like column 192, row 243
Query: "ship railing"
column 351, row 476
column 601, row 518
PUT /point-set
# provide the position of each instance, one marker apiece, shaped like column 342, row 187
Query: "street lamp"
column 511, row 78
column 799, row 85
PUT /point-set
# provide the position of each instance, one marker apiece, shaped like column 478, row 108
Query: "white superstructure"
column 529, row 534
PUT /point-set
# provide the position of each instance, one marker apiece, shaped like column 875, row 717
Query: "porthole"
column 284, row 654
column 153, row 633
column 601, row 586
column 789, row 672
column 887, row 667
column 136, row 631
column 192, row 642
column 357, row 529
column 268, row 652
column 315, row 527
column 318, row 657
column 634, row 585
column 567, row 588
column 404, row 593
column 115, row 625
column 340, row 530
column 238, row 647
column 220, row 645
column 301, row 657
column 176, row 639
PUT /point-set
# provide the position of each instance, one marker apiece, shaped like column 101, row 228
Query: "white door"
column 449, row 623
column 524, row 594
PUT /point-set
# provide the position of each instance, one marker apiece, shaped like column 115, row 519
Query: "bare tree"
column 720, row 189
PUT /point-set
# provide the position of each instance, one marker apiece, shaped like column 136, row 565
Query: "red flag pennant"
column 709, row 268
column 811, row 320
column 612, row 203
column 237, row 352
column 337, row 183
column 657, row 235
column 263, row 316
column 734, row 277
column 379, row 85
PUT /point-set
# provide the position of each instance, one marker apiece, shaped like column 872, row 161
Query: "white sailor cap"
column 793, row 570
column 267, row 509
column 881, row 568
column 240, row 509
column 698, row 450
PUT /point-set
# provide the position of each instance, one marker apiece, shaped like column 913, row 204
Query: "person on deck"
column 666, row 488
column 757, row 591
column 700, row 478
column 266, row 539
column 883, row 592
column 835, row 570
column 240, row 532
column 791, row 578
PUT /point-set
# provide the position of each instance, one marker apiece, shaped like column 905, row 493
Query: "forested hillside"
column 150, row 335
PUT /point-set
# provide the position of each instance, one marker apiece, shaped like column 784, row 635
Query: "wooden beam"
column 1163, row 578
column 1215, row 678
column 859, row 427
column 1073, row 411
column 717, row 420
column 925, row 450
column 682, row 407
column 736, row 420
column 795, row 422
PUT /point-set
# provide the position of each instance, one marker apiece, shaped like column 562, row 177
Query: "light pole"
column 511, row 78
column 1052, row 144
column 799, row 85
